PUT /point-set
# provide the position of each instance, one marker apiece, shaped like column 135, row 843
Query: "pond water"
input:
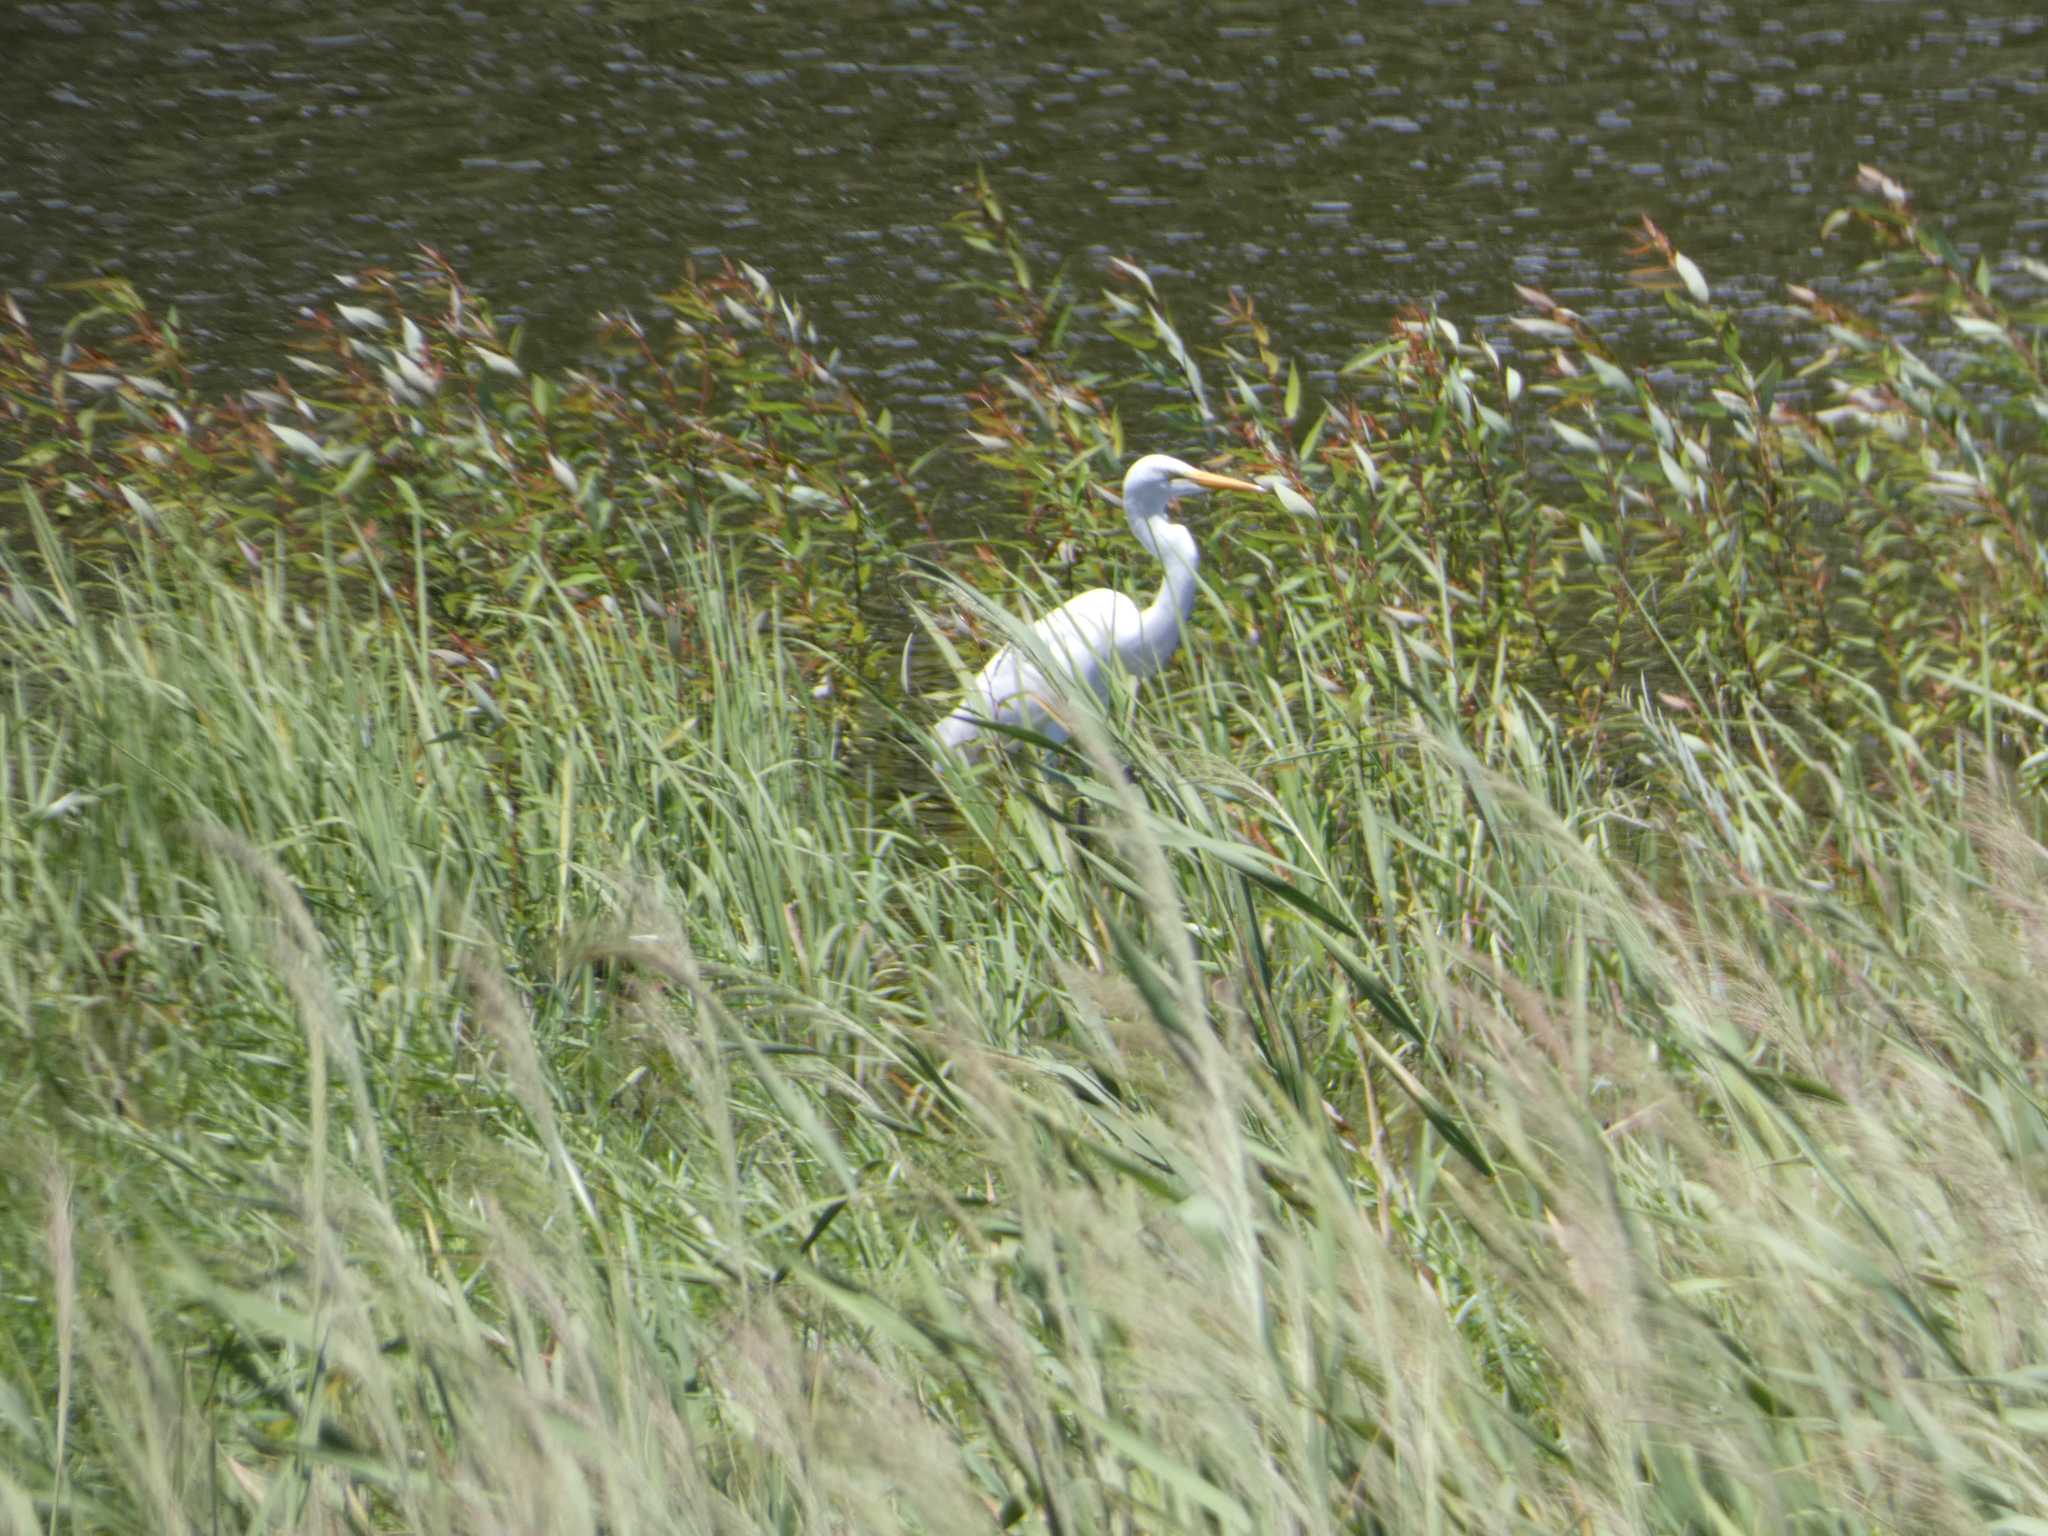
column 1336, row 159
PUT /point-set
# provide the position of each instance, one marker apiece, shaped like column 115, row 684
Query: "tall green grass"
column 505, row 1036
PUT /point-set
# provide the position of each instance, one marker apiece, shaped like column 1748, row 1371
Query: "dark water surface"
column 1336, row 159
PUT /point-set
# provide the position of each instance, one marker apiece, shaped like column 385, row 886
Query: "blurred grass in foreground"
column 1534, row 1023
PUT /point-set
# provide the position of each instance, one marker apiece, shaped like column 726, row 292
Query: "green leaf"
column 1682, row 481
column 497, row 362
column 1160, row 1002
column 1573, row 438
column 358, row 471
column 1292, row 499
column 1690, row 275
column 139, row 503
column 1610, row 375
column 1227, row 1511
column 1767, row 389
column 298, row 441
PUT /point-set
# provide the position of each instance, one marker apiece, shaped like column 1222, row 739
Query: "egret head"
column 1152, row 484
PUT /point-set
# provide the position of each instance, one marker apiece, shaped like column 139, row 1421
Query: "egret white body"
column 1086, row 636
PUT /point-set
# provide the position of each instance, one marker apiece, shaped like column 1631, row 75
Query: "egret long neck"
column 1160, row 624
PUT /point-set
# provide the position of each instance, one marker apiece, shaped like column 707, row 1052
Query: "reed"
column 1532, row 1023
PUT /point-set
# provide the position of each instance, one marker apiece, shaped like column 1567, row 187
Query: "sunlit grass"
column 509, row 1035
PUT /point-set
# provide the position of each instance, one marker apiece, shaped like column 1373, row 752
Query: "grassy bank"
column 1532, row 1024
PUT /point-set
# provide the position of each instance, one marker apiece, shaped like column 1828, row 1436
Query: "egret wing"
column 1078, row 640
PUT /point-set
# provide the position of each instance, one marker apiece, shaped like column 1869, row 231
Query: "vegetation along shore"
column 1532, row 1020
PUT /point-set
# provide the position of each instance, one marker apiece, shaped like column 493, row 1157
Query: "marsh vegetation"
column 1532, row 1022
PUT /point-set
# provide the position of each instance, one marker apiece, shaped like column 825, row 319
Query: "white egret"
column 1086, row 635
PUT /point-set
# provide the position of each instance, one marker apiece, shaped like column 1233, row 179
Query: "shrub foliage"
column 1532, row 1023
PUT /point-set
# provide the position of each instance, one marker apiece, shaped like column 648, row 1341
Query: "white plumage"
column 1085, row 636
